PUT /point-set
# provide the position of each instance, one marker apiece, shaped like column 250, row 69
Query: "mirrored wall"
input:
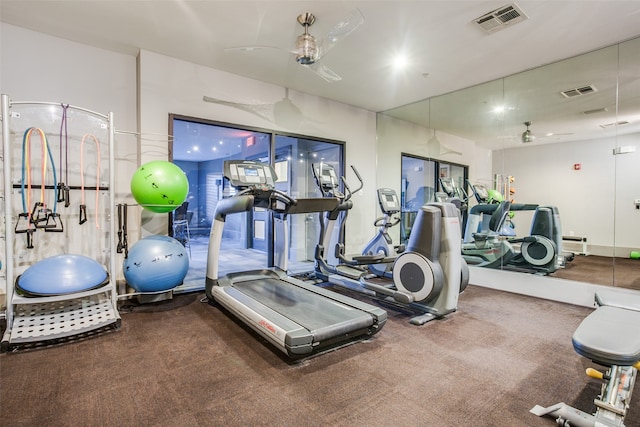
column 564, row 136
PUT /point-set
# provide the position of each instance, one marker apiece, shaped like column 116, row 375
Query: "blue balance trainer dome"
column 155, row 264
column 62, row 274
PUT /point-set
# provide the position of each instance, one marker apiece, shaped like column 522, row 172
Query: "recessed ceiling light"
column 400, row 62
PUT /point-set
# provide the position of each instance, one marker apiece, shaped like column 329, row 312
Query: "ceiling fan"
column 527, row 135
column 283, row 112
column 436, row 148
column 309, row 51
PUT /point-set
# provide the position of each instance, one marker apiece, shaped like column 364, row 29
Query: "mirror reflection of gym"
column 581, row 161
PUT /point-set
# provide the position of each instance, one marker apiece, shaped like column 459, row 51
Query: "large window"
column 200, row 148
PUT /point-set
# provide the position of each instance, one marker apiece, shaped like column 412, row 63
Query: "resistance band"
column 41, row 216
column 123, row 245
column 83, row 206
column 63, row 190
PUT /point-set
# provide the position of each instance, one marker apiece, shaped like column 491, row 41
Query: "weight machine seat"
column 627, row 300
column 609, row 336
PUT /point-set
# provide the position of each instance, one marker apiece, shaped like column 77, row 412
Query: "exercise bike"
column 480, row 214
column 382, row 243
column 545, row 222
column 538, row 252
column 427, row 277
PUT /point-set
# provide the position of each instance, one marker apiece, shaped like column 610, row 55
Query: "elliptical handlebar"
column 380, row 221
column 348, row 191
column 328, row 184
column 359, row 179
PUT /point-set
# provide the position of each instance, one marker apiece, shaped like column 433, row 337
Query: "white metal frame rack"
column 43, row 319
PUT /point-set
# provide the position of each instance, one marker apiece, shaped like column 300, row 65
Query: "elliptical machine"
column 427, row 277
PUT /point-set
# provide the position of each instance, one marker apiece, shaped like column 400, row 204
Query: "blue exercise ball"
column 155, row 264
column 61, row 275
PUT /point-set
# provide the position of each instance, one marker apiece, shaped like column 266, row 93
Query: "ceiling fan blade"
column 341, row 30
column 264, row 111
column 324, row 72
column 250, row 48
column 436, row 148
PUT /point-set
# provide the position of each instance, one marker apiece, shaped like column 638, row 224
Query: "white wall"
column 168, row 85
column 37, row 67
column 595, row 201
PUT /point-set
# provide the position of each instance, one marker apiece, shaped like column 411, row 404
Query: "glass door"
column 200, row 148
column 293, row 161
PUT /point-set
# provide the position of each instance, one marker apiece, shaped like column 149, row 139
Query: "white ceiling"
column 446, row 51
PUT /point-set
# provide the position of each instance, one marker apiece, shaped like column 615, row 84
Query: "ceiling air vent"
column 500, row 19
column 579, row 91
column 620, row 123
column 597, row 110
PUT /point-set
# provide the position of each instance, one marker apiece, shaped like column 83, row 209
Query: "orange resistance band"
column 43, row 141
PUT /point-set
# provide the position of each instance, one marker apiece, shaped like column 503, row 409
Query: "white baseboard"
column 551, row 288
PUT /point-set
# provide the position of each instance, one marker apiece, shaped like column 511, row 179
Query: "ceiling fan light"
column 527, row 136
column 306, row 49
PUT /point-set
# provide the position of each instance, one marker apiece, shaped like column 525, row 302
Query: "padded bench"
column 628, row 300
column 609, row 336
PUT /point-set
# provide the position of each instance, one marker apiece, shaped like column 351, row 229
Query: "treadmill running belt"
column 307, row 309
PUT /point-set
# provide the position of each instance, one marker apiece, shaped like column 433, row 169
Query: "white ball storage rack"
column 52, row 319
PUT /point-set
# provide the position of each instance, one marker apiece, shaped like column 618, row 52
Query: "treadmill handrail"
column 233, row 205
column 314, row 204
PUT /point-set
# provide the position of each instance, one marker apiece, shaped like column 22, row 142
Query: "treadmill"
column 298, row 318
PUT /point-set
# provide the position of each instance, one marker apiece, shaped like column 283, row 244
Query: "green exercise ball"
column 159, row 186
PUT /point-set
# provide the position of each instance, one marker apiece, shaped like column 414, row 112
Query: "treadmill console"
column 388, row 200
column 247, row 173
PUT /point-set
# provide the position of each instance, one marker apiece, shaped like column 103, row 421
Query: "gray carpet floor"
column 185, row 363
